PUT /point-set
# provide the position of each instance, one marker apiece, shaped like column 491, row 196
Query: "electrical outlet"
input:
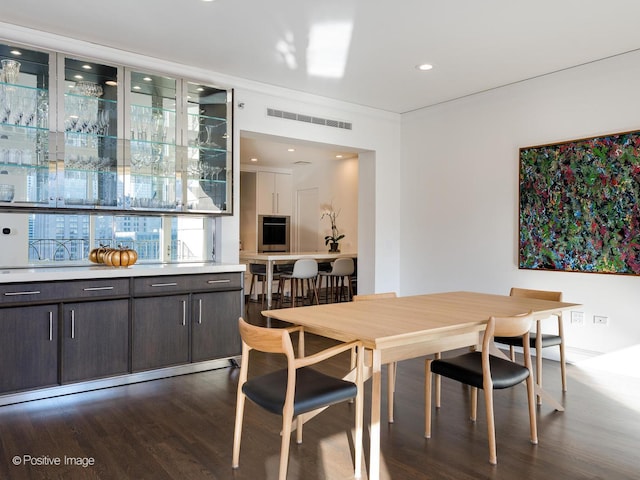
column 577, row 318
column 600, row 320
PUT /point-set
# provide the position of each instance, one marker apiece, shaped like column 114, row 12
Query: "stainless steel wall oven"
column 273, row 233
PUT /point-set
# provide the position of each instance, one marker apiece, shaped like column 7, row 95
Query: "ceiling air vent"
column 299, row 117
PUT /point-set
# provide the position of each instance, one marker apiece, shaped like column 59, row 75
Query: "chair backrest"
column 538, row 294
column 305, row 268
column 515, row 326
column 270, row 340
column 343, row 267
column 374, row 296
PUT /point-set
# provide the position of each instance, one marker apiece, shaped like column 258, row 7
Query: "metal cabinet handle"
column 199, row 310
column 172, row 284
column 11, row 294
column 184, row 312
column 50, row 326
column 210, row 282
column 73, row 324
column 95, row 289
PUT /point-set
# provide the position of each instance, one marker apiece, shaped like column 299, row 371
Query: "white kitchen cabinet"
column 274, row 193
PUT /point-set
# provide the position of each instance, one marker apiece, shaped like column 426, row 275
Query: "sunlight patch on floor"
column 616, row 374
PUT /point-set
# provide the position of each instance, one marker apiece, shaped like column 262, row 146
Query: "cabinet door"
column 284, row 193
column 215, row 325
column 208, row 171
column 25, row 142
column 91, row 151
column 95, row 340
column 28, row 347
column 152, row 131
column 274, row 193
column 160, row 331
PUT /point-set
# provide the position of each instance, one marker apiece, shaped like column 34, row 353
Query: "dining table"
column 273, row 258
column 401, row 328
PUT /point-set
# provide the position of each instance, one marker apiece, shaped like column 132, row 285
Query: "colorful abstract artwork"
column 579, row 205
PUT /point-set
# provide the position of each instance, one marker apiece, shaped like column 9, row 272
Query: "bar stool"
column 303, row 269
column 259, row 272
column 343, row 268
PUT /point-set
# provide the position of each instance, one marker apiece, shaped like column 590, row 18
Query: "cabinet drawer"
column 11, row 293
column 61, row 291
column 186, row 283
column 115, row 287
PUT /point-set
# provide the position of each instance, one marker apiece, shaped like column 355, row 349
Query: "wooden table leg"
column 376, row 390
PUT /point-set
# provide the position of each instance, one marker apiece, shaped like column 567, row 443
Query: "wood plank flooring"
column 182, row 428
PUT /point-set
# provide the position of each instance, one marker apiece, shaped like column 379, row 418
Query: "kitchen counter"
column 93, row 271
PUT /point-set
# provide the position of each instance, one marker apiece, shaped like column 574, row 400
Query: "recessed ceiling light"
column 338, row 156
column 200, row 89
column 111, row 83
column 137, row 87
column 254, row 159
column 291, row 149
column 17, row 53
column 78, row 77
column 86, row 67
column 147, row 79
column 424, row 67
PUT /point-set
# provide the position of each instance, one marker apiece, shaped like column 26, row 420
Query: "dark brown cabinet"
column 28, row 347
column 185, row 318
column 95, row 339
column 160, row 331
column 215, row 325
column 62, row 333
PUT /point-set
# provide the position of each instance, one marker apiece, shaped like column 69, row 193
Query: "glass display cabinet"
column 151, row 170
column 88, row 162
column 26, row 176
column 208, row 163
column 81, row 135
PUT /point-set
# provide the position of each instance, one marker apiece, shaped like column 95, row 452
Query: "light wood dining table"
column 401, row 328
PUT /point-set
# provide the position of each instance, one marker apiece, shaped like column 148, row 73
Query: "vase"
column 334, row 247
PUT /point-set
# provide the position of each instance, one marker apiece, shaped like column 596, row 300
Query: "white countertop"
column 249, row 256
column 41, row 274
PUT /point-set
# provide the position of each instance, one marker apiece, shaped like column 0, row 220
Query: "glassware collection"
column 172, row 157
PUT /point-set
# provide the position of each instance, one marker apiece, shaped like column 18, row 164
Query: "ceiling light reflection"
column 328, row 49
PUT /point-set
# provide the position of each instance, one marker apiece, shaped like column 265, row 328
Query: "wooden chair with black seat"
column 296, row 390
column 481, row 369
column 540, row 340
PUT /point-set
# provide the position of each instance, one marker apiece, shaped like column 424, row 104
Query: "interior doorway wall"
column 307, row 220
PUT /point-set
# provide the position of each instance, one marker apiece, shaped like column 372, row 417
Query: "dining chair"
column 540, row 340
column 295, row 390
column 341, row 269
column 303, row 269
column 481, row 369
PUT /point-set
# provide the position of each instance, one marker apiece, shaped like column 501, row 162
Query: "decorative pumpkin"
column 97, row 254
column 120, row 257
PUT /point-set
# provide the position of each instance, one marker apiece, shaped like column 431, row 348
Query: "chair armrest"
column 326, row 354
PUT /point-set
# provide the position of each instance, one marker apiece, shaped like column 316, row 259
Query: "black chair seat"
column 313, row 390
column 467, row 369
column 548, row 340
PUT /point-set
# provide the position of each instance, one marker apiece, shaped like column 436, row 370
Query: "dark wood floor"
column 182, row 428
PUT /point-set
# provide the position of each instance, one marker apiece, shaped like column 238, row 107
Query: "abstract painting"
column 579, row 205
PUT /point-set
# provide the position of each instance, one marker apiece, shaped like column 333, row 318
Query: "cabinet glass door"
column 152, row 131
column 89, row 176
column 208, row 165
column 25, row 174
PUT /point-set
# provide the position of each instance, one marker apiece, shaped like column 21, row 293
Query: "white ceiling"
column 473, row 45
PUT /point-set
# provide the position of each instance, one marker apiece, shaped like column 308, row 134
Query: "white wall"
column 460, row 191
column 337, row 183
